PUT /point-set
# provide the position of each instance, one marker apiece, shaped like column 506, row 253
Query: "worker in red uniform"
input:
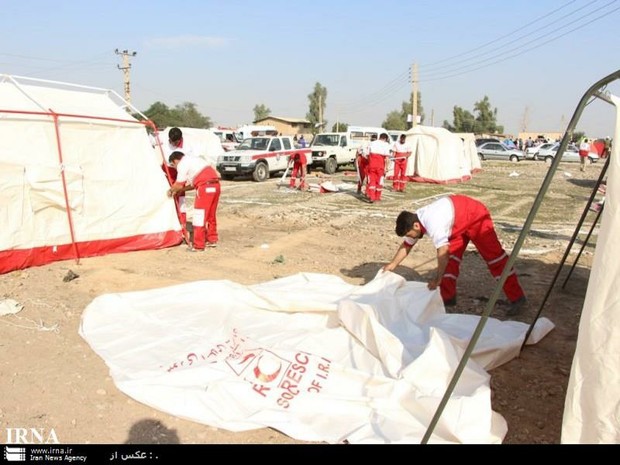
column 377, row 159
column 362, row 163
column 300, row 168
column 401, row 153
column 451, row 222
column 176, row 142
column 171, row 177
column 196, row 173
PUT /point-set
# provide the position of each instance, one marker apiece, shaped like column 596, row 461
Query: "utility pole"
column 125, row 69
column 525, row 119
column 320, row 113
column 433, row 117
column 414, row 95
column 562, row 123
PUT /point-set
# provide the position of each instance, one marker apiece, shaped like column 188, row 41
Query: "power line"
column 504, row 58
column 401, row 81
column 386, row 89
column 494, row 41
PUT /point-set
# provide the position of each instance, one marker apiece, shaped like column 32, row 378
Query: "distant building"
column 287, row 126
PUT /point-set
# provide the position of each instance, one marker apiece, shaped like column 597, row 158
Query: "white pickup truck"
column 331, row 150
column 260, row 157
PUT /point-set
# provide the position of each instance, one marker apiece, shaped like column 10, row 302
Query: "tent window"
column 46, row 190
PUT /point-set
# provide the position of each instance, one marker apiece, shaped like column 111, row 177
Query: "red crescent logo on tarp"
column 267, row 369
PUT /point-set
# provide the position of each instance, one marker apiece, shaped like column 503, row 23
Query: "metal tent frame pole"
column 594, row 90
column 594, row 223
column 567, row 251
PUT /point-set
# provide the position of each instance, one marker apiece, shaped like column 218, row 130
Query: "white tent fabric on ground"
column 439, row 156
column 592, row 407
column 309, row 355
column 78, row 176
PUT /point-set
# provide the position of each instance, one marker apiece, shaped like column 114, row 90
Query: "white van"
column 360, row 134
column 254, row 130
column 228, row 137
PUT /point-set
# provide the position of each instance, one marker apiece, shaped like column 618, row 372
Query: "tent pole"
column 566, row 252
column 64, row 188
column 589, row 204
column 583, row 246
column 515, row 251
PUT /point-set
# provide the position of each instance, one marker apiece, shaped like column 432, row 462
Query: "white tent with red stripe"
column 78, row 176
column 438, row 156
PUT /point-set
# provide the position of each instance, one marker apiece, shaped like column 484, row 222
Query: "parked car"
column 481, row 141
column 498, row 151
column 531, row 153
column 571, row 154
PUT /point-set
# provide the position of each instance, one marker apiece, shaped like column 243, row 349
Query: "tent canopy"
column 439, row 156
column 78, row 176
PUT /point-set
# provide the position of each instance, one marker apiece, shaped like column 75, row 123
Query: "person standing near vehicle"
column 401, row 155
column 302, row 142
column 362, row 163
column 196, row 173
column 377, row 159
column 300, row 167
column 584, row 152
column 607, row 149
column 451, row 222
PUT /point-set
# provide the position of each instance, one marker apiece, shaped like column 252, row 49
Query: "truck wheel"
column 261, row 172
column 330, row 166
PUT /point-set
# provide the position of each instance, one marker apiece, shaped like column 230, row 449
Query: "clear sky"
column 533, row 59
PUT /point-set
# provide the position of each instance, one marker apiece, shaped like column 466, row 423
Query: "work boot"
column 193, row 249
column 516, row 307
column 450, row 302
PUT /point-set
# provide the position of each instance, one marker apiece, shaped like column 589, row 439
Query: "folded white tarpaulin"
column 309, row 355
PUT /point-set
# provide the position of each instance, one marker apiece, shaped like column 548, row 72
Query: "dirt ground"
column 52, row 379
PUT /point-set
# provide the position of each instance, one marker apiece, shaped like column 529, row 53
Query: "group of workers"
column 372, row 162
column 451, row 221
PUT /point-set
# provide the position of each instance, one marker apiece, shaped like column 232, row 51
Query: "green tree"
column 486, row 118
column 160, row 114
column 463, row 121
column 184, row 115
column 397, row 120
column 484, row 121
column 340, row 127
column 577, row 136
column 261, row 112
column 316, row 108
column 189, row 117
